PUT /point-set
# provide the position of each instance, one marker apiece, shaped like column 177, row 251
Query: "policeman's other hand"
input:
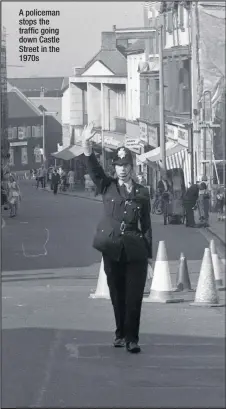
column 150, row 261
column 88, row 132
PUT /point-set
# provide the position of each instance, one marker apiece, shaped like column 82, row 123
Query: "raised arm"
column 95, row 170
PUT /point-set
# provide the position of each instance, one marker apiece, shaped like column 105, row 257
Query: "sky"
column 80, row 25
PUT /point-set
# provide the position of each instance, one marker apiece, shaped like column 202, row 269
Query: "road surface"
column 56, row 341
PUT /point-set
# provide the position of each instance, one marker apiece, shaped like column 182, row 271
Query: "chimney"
column 77, row 70
column 108, row 41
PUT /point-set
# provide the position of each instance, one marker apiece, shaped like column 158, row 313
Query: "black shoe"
column 119, row 343
column 133, row 347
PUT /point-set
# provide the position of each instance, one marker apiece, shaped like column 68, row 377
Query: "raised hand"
column 88, row 132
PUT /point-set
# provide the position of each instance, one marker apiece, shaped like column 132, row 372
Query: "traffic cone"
column 161, row 288
column 206, row 291
column 216, row 266
column 183, row 280
column 102, row 290
column 148, row 281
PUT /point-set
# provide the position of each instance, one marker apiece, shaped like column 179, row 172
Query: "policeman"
column 124, row 237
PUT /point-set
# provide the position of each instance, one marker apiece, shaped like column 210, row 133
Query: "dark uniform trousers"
column 126, row 274
column 126, row 282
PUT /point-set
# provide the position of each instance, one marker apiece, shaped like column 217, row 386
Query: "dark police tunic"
column 124, row 236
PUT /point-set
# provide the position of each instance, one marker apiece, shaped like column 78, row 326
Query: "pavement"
column 56, row 341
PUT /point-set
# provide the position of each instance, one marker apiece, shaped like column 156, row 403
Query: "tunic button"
column 122, row 232
column 112, row 200
column 138, row 208
column 125, row 212
column 102, row 231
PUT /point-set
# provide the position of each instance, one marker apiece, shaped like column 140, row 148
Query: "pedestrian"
column 55, row 181
column 124, row 237
column 71, row 179
column 203, row 204
column 14, row 196
column 163, row 188
column 190, row 201
column 220, row 204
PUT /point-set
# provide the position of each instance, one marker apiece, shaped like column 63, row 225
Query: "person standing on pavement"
column 55, row 181
column 203, row 204
column 124, row 237
column 14, row 196
column 220, row 205
column 190, row 200
column 71, row 179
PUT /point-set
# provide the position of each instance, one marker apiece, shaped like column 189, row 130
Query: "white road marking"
column 44, row 248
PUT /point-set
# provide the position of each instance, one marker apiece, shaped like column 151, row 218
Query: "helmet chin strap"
column 126, row 178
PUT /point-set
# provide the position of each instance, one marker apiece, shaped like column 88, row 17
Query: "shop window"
column 24, row 158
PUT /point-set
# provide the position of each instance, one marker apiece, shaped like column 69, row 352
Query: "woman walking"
column 14, row 196
column 124, row 237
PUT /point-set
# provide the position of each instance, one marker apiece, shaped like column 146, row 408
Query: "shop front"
column 177, row 153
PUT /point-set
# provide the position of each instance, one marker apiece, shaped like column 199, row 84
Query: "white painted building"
column 97, row 93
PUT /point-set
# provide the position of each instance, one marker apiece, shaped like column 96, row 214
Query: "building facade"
column 97, row 93
column 25, row 133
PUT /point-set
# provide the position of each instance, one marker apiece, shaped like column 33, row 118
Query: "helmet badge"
column 121, row 153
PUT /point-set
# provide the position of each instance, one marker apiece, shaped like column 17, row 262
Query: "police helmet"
column 122, row 156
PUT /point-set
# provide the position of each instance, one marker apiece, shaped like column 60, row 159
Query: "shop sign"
column 183, row 137
column 171, row 133
column 152, row 136
column 133, row 145
column 18, row 143
column 111, row 142
column 143, row 132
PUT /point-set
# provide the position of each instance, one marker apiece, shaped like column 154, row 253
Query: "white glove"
column 87, row 134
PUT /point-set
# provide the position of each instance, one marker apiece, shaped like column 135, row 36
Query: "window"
column 11, row 158
column 181, row 17
column 24, row 158
column 157, row 92
column 12, row 133
column 37, row 131
column 28, row 132
column 22, row 132
column 169, row 22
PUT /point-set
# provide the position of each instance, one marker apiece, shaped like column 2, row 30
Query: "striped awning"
column 155, row 154
column 176, row 157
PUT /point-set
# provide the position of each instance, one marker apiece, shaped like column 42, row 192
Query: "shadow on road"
column 75, row 368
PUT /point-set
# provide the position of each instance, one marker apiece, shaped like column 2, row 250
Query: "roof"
column 31, row 85
column 114, row 60
column 20, row 107
column 50, row 105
